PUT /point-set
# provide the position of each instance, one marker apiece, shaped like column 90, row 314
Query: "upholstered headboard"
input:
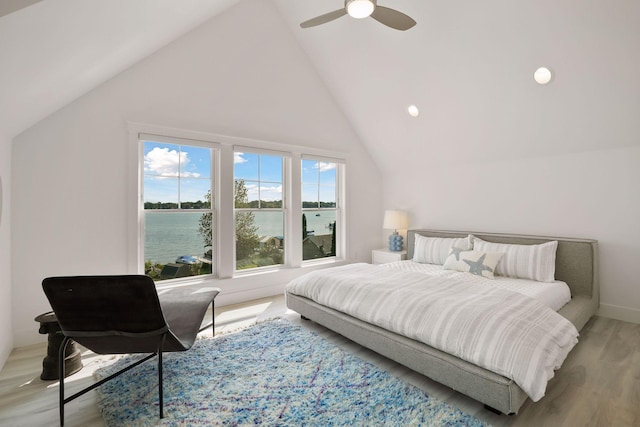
column 576, row 259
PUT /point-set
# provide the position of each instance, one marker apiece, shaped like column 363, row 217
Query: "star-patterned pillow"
column 474, row 262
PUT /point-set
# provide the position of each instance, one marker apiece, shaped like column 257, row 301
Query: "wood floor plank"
column 598, row 385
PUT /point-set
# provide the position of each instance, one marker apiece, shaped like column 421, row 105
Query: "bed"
column 576, row 264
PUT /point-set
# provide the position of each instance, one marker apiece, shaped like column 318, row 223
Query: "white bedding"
column 503, row 331
column 553, row 294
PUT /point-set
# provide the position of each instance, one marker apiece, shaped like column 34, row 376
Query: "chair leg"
column 61, row 373
column 160, row 393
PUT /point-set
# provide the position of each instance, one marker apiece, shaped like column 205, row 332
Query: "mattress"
column 505, row 332
column 552, row 294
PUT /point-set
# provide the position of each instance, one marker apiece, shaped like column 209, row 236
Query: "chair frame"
column 63, row 401
column 161, row 335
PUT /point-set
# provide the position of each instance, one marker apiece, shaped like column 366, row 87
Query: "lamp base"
column 395, row 242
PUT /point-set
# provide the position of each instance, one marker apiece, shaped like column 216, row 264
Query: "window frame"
column 340, row 215
column 223, row 194
column 285, row 207
column 213, row 209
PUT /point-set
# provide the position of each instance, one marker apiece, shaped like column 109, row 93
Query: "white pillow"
column 535, row 262
column 434, row 250
column 474, row 262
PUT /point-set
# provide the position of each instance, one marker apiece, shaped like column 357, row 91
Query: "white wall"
column 590, row 195
column 492, row 150
column 241, row 74
column 497, row 152
column 6, row 334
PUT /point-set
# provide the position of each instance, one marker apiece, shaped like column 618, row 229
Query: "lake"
column 170, row 235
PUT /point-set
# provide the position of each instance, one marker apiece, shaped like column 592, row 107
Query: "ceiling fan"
column 7, row 7
column 361, row 9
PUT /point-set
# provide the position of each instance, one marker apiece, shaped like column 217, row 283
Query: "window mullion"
column 179, row 176
column 294, row 203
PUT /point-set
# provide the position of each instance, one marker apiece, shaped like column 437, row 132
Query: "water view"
column 171, row 235
column 179, row 178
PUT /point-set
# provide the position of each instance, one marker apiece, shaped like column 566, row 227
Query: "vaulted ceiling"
column 467, row 65
column 53, row 51
column 490, row 150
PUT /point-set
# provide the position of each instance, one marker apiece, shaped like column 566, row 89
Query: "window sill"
column 259, row 271
column 186, row 281
column 243, row 276
column 322, row 261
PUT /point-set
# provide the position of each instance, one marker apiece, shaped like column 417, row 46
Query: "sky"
column 173, row 172
column 177, row 172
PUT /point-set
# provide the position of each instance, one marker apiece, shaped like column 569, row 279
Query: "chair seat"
column 183, row 309
column 125, row 314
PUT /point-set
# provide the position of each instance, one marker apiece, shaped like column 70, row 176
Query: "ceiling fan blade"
column 323, row 19
column 392, row 18
column 7, row 7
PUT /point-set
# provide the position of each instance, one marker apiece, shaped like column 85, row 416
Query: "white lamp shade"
column 396, row 220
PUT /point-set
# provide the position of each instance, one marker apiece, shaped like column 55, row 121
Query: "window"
column 259, row 210
column 207, row 208
column 320, row 209
column 178, row 216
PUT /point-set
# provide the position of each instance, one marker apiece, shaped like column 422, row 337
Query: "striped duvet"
column 502, row 331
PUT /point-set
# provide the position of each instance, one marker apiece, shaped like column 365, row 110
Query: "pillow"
column 535, row 262
column 434, row 250
column 473, row 261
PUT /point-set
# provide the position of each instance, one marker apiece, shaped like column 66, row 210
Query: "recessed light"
column 413, row 111
column 542, row 75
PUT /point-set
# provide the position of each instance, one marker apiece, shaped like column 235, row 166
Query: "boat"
column 187, row 259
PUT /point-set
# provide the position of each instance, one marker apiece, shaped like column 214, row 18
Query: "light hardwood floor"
column 598, row 385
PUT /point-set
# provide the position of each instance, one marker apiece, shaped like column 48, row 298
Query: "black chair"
column 125, row 314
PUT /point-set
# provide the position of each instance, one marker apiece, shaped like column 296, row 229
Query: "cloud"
column 277, row 188
column 252, row 189
column 166, row 163
column 271, row 193
column 237, row 158
column 266, row 193
column 324, row 166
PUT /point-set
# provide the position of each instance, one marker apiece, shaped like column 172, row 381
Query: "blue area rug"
column 275, row 374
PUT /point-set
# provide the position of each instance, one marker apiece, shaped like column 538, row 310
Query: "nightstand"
column 382, row 256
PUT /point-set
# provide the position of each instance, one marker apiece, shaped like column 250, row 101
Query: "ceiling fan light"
column 360, row 8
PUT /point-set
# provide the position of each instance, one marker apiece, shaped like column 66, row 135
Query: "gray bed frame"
column 576, row 264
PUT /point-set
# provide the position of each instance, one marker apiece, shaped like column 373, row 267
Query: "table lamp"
column 395, row 220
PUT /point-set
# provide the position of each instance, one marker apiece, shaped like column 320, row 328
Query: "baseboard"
column 626, row 314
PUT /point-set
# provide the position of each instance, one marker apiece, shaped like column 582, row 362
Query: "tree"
column 204, row 223
column 304, row 227
column 333, row 240
column 246, row 238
